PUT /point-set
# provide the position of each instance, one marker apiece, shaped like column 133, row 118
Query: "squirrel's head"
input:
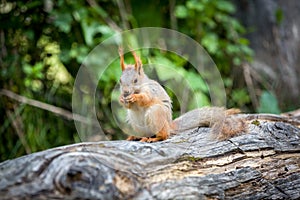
column 132, row 75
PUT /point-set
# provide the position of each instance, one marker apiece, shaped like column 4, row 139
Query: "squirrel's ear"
column 138, row 62
column 122, row 58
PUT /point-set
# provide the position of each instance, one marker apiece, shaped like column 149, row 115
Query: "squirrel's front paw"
column 121, row 100
column 131, row 98
column 124, row 102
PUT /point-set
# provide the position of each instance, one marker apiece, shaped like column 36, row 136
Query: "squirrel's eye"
column 135, row 80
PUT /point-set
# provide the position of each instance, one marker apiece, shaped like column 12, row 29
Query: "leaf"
column 166, row 69
column 210, row 42
column 63, row 21
column 27, row 69
column 181, row 11
column 244, row 41
column 231, row 49
column 196, row 82
column 201, row 100
column 195, row 5
column 90, row 29
column 279, row 16
column 237, row 61
column 240, row 96
column 226, row 6
column 268, row 103
column 38, row 67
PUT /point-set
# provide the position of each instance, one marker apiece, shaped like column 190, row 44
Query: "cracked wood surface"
column 262, row 164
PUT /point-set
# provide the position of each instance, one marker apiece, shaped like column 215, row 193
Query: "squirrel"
column 149, row 109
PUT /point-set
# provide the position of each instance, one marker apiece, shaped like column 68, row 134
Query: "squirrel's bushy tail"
column 222, row 122
column 205, row 116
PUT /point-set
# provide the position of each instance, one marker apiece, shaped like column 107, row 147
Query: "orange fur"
column 122, row 59
column 232, row 127
column 233, row 111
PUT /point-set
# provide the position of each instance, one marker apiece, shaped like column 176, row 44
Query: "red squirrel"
column 149, row 109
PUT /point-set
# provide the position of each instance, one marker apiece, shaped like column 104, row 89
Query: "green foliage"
column 43, row 44
column 212, row 24
column 268, row 103
column 279, row 16
column 171, row 73
column 241, row 97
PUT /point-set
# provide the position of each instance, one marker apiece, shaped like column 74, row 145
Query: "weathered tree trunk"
column 275, row 36
column 262, row 164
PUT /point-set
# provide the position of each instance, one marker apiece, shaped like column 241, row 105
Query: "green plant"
column 43, row 44
column 268, row 103
column 212, row 24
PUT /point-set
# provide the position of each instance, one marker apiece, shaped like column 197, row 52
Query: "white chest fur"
column 138, row 121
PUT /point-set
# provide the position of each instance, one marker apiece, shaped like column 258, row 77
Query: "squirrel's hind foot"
column 143, row 139
column 133, row 138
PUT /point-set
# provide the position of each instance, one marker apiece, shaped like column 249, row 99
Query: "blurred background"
column 255, row 45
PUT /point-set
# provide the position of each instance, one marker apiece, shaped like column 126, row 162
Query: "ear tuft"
column 138, row 62
column 121, row 54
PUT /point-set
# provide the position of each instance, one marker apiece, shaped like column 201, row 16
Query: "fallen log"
column 262, row 164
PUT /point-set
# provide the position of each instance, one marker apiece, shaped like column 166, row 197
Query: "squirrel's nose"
column 125, row 93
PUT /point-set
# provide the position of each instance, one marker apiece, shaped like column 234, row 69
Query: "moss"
column 190, row 159
column 255, row 122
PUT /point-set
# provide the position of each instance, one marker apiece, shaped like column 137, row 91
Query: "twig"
column 293, row 114
column 18, row 126
column 249, row 82
column 2, row 47
column 54, row 109
column 258, row 78
column 104, row 15
column 123, row 14
column 172, row 14
column 271, row 117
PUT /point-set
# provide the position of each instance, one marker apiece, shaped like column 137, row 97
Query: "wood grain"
column 262, row 164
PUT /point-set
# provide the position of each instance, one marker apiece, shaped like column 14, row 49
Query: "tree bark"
column 274, row 34
column 261, row 164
